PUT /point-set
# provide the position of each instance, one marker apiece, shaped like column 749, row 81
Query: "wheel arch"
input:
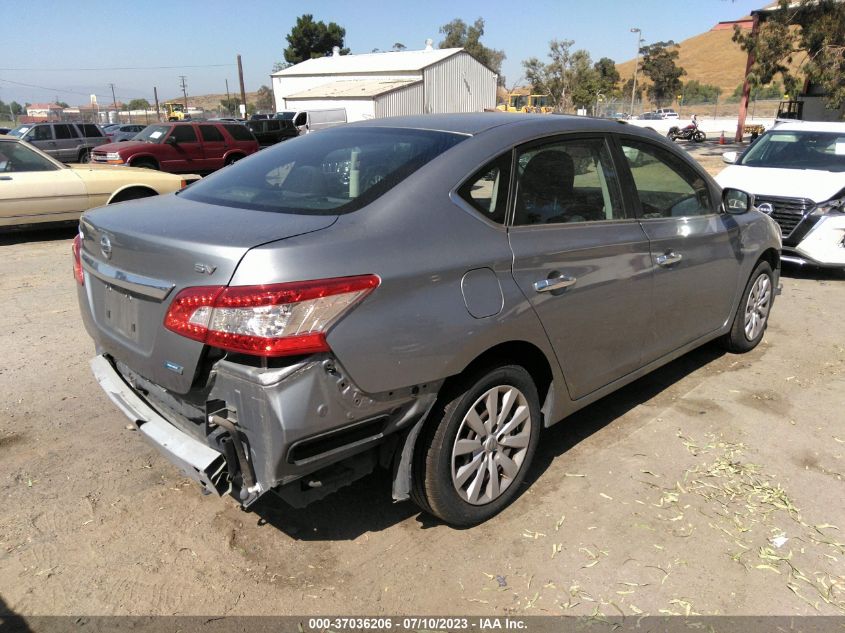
column 137, row 158
column 516, row 352
column 119, row 195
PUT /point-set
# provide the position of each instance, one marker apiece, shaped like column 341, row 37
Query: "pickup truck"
column 198, row 146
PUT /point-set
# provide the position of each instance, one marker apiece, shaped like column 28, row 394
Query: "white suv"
column 797, row 175
column 667, row 113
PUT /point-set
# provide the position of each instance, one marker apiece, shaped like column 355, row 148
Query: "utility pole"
column 184, row 85
column 158, row 110
column 228, row 99
column 241, row 78
column 640, row 40
column 114, row 103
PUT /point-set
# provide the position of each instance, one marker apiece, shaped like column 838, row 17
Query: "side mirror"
column 736, row 201
column 729, row 157
column 171, row 141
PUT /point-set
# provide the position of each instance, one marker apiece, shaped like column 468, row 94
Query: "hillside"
column 212, row 101
column 711, row 58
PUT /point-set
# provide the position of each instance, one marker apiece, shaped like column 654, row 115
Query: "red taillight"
column 76, row 249
column 271, row 320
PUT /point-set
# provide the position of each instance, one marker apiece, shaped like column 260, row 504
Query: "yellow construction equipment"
column 527, row 103
column 176, row 111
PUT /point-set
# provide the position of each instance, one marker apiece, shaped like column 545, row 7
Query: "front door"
column 186, row 153
column 695, row 249
column 34, row 189
column 582, row 260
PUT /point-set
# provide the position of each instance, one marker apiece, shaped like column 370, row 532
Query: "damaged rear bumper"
column 302, row 430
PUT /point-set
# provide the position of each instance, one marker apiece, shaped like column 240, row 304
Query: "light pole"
column 640, row 40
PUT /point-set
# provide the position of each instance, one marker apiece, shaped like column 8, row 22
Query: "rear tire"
column 752, row 315
column 470, row 463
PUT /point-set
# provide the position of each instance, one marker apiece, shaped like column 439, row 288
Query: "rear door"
column 695, row 249
column 214, row 146
column 581, row 258
column 67, row 141
column 186, row 154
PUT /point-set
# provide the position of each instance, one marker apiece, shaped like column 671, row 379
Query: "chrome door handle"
column 669, row 258
column 555, row 283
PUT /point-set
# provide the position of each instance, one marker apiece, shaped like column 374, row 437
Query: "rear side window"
column 666, row 186
column 184, row 134
column 210, row 133
column 336, row 171
column 90, row 130
column 64, row 131
column 487, row 189
column 239, row 132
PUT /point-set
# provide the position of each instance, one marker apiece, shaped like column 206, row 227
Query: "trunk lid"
column 139, row 255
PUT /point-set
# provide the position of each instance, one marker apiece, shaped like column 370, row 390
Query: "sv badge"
column 206, row 269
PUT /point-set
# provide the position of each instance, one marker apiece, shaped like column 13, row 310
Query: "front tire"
column 699, row 136
column 84, row 156
column 752, row 315
column 476, row 450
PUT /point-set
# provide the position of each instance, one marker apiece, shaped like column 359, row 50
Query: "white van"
column 312, row 120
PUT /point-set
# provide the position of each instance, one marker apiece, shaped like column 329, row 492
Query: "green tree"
column 457, row 34
column 398, row 46
column 608, row 77
column 813, row 27
column 773, row 90
column 552, row 78
column 309, row 39
column 264, row 99
column 658, row 64
column 139, row 104
column 62, row 104
column 585, row 80
column 695, row 92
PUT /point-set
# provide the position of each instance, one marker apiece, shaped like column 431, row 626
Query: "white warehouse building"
column 388, row 84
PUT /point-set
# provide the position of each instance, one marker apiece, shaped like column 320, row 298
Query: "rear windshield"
column 327, row 173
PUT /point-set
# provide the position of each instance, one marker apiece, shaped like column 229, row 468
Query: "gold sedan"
column 35, row 188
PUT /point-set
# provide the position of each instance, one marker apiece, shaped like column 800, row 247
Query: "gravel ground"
column 712, row 486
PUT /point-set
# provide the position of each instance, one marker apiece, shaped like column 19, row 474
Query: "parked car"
column 649, row 116
column 427, row 293
column 68, row 142
column 5, row 130
column 667, row 113
column 36, row 188
column 796, row 172
column 313, row 120
column 271, row 131
column 196, row 146
column 259, row 117
column 124, row 132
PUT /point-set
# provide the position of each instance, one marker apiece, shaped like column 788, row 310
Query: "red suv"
column 181, row 147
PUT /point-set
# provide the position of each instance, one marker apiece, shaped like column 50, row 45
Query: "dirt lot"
column 713, row 486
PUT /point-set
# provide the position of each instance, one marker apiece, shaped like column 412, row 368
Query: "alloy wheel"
column 757, row 307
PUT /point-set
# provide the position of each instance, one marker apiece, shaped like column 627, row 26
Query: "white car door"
column 34, row 188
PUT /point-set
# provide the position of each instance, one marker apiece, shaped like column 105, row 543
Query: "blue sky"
column 50, row 42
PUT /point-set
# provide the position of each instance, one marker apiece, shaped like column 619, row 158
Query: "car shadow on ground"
column 15, row 235
column 366, row 505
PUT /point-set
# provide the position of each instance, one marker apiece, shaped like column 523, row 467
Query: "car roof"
column 476, row 123
column 812, row 126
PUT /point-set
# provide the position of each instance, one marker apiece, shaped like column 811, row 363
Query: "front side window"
column 15, row 157
column 184, row 134
column 567, row 181
column 336, row 171
column 487, row 189
column 666, row 186
column 40, row 133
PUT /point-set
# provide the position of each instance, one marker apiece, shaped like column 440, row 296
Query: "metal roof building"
column 387, row 84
